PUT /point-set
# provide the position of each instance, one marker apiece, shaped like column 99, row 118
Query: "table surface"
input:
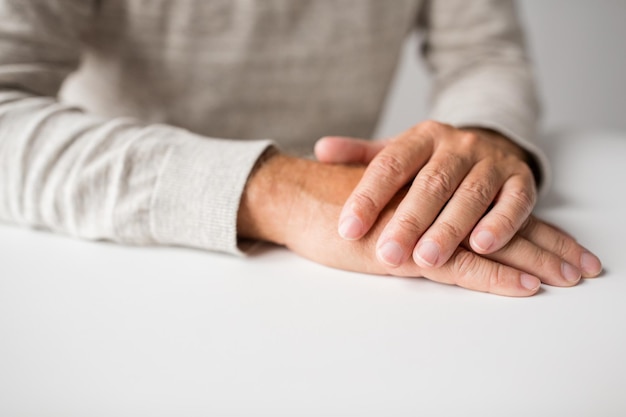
column 97, row 329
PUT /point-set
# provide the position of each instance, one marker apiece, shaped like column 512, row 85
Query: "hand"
column 456, row 176
column 296, row 203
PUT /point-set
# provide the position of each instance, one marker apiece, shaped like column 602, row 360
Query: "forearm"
column 268, row 198
column 285, row 195
column 118, row 179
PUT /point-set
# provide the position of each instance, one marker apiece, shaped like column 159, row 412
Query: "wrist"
column 504, row 142
column 511, row 147
column 285, row 195
column 268, row 198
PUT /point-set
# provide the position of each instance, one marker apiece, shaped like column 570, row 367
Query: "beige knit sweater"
column 171, row 99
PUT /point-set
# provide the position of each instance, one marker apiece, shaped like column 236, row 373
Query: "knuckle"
column 430, row 125
column 450, row 230
column 466, row 264
column 408, row 222
column 478, row 275
column 428, row 129
column 366, row 204
column 505, row 222
column 468, row 140
column 389, row 166
column 436, row 183
column 563, row 245
column 541, row 259
column 497, row 278
column 523, row 199
column 481, row 192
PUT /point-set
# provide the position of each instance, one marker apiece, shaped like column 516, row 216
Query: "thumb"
column 345, row 150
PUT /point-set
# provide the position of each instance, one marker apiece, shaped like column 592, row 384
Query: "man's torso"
column 288, row 70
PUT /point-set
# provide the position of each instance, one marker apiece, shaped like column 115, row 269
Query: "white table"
column 95, row 329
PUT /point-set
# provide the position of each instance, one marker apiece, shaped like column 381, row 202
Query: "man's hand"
column 296, row 203
column 454, row 175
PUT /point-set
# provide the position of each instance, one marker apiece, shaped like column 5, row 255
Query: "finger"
column 549, row 267
column 562, row 244
column 390, row 170
column 430, row 191
column 345, row 150
column 513, row 205
column 470, row 270
column 468, row 204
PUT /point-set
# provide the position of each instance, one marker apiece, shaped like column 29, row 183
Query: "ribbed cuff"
column 197, row 195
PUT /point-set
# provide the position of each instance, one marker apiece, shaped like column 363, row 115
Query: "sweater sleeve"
column 482, row 74
column 114, row 179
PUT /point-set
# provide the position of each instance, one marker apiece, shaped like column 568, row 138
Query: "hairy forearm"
column 284, row 194
column 268, row 199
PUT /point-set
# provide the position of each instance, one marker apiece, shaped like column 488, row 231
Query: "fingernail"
column 484, row 240
column 569, row 272
column 350, row 228
column 530, row 282
column 590, row 264
column 427, row 252
column 391, row 253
